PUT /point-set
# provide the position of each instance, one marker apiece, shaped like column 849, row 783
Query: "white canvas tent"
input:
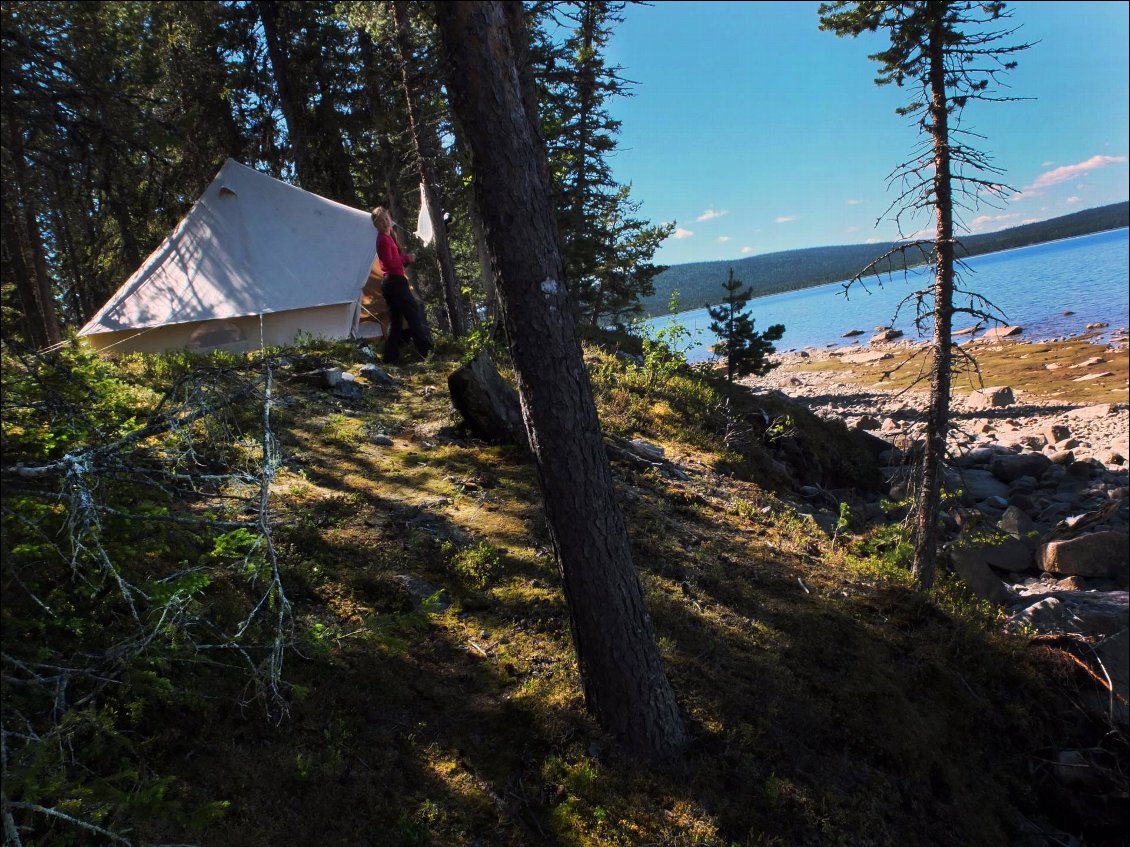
column 254, row 262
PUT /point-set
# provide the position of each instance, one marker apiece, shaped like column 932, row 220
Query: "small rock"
column 886, row 335
column 997, row 333
column 376, row 374
column 852, row 333
column 867, row 422
column 1087, row 377
column 1111, row 457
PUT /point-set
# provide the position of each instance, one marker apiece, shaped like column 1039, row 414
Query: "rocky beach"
column 1038, row 460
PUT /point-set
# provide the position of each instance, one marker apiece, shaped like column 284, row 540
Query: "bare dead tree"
column 182, row 456
column 953, row 54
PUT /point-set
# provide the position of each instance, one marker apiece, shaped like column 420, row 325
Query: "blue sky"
column 754, row 131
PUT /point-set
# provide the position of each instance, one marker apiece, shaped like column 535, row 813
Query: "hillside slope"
column 429, row 694
column 772, row 273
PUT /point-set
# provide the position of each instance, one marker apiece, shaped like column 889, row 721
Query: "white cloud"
column 722, row 239
column 711, row 214
column 871, row 241
column 747, row 249
column 851, row 229
column 1030, row 221
column 854, row 202
column 784, row 219
column 1069, row 172
column 1073, row 199
column 984, row 220
column 682, row 233
column 1047, row 164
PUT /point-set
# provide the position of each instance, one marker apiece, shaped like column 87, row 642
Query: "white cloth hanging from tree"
column 424, row 223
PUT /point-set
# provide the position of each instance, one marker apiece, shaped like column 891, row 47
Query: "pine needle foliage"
column 745, row 350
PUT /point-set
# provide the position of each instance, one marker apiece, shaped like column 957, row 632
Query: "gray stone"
column 885, row 336
column 979, row 578
column 866, row 358
column 347, row 389
column 1102, row 612
column 1066, row 457
column 420, row 592
column 1101, row 555
column 1114, row 654
column 487, row 402
column 987, row 398
column 1111, row 457
column 1010, row 555
column 1009, row 468
column 980, row 485
column 867, row 422
column 1055, row 433
column 1089, row 413
column 1046, row 616
column 979, row 456
column 1016, row 522
column 377, row 375
column 652, row 452
column 999, row 332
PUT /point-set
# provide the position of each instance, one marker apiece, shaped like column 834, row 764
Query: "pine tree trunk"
column 24, row 245
column 425, row 157
column 292, row 107
column 937, row 423
column 623, row 678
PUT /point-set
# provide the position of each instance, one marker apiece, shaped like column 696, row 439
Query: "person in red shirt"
column 402, row 306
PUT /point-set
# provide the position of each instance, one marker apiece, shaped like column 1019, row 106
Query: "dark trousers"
column 402, row 307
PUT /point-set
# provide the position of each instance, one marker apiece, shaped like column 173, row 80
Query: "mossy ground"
column 829, row 703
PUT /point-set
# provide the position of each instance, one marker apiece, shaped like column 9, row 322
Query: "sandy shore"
column 855, row 392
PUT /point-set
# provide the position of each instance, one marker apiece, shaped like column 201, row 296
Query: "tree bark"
column 292, row 107
column 425, row 157
column 624, row 682
column 25, row 248
column 937, row 423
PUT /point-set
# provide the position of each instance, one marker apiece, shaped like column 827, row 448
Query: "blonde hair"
column 378, row 213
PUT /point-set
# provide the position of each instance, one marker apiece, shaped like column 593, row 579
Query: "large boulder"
column 988, row 398
column 1009, row 555
column 978, row 576
column 487, row 402
column 981, row 485
column 1013, row 466
column 1101, row 555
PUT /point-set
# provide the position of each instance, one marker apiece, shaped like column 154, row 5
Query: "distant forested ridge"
column 789, row 270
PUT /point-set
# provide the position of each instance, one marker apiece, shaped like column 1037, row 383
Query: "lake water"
column 1031, row 286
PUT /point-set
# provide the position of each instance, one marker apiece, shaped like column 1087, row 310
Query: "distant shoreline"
column 789, row 271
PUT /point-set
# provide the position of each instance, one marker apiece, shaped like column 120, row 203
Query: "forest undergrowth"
column 240, row 609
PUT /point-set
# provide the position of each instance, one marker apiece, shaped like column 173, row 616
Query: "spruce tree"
column 745, row 350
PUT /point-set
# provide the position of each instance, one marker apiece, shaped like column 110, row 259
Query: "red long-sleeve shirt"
column 388, row 254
